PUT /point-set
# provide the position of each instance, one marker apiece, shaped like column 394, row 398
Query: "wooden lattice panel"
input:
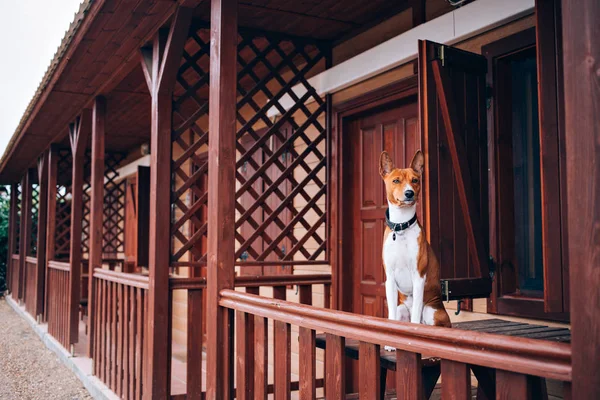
column 35, row 203
column 63, row 204
column 18, row 220
column 281, row 161
column 113, row 242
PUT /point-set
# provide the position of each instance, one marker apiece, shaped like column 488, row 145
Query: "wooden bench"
column 485, row 376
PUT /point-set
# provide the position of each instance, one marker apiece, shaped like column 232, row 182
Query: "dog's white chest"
column 400, row 257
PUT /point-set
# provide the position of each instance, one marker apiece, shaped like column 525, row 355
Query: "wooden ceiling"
column 102, row 58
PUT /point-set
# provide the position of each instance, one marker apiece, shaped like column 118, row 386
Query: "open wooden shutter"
column 452, row 100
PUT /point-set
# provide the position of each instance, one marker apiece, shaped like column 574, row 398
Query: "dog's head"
column 402, row 186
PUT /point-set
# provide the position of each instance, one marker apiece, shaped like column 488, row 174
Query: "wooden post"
column 160, row 64
column 78, row 134
column 96, row 209
column 221, row 196
column 581, row 75
column 25, row 232
column 12, row 234
column 51, row 218
column 41, row 232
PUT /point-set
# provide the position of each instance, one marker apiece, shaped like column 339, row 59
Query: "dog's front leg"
column 391, row 294
column 417, row 306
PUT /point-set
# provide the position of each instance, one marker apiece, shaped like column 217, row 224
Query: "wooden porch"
column 156, row 235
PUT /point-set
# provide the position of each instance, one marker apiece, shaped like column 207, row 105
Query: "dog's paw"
column 389, row 348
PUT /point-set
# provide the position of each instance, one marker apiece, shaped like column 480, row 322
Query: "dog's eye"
column 396, row 181
column 415, row 180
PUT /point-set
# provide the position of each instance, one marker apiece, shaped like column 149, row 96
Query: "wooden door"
column 396, row 131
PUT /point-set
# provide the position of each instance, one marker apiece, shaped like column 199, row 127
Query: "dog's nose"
column 409, row 194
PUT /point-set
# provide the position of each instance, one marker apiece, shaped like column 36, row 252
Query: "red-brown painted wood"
column 25, row 230
column 334, row 379
column 40, row 279
column 51, row 219
column 221, row 199
column 369, row 371
column 509, row 385
column 581, row 56
column 307, row 352
column 261, row 358
column 96, row 207
column 409, row 384
column 12, row 236
column 456, row 380
column 194, row 345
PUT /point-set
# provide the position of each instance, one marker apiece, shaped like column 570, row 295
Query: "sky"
column 30, row 33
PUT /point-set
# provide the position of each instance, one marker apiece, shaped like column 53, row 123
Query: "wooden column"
column 581, row 48
column 96, row 208
column 160, row 64
column 51, row 218
column 40, row 278
column 25, row 231
column 13, row 218
column 221, row 196
column 78, row 135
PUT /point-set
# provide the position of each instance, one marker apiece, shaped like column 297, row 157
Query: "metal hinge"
column 244, row 256
column 492, row 267
column 445, row 290
column 441, row 55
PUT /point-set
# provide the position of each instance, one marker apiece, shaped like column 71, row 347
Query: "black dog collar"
column 397, row 227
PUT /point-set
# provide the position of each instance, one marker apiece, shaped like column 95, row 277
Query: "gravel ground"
column 28, row 370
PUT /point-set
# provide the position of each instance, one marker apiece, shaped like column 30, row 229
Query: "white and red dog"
column 412, row 271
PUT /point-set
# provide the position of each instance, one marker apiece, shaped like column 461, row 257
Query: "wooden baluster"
column 456, row 381
column 194, row 345
column 245, row 352
column 104, row 330
column 369, row 371
column 282, row 351
column 307, row 351
column 409, row 385
column 132, row 342
column 326, row 304
column 261, row 358
column 119, row 360
column 51, row 224
column 335, row 382
column 126, row 343
column 509, row 385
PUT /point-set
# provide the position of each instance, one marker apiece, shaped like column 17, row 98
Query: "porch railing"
column 120, row 304
column 251, row 335
column 515, row 359
column 31, row 285
column 15, row 260
column 58, row 302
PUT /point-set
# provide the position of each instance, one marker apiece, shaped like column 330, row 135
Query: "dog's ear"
column 386, row 165
column 417, row 162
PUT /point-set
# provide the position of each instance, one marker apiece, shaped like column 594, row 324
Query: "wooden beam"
column 96, row 208
column 51, row 218
column 78, row 135
column 159, row 68
column 581, row 54
column 12, row 234
column 42, row 170
column 25, row 231
column 221, row 198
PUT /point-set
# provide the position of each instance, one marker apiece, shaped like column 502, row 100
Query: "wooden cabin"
column 196, row 208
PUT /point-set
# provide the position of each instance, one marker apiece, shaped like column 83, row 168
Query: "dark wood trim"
column 581, row 54
column 79, row 132
column 166, row 55
column 339, row 244
column 12, row 235
column 96, row 209
column 42, row 170
column 550, row 134
column 549, row 51
column 24, row 231
column 221, row 197
column 51, row 217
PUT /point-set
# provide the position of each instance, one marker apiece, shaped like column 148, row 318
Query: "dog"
column 412, row 285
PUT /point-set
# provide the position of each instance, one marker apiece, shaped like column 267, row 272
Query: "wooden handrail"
column 60, row 265
column 124, row 278
column 527, row 356
column 16, row 256
column 176, row 283
column 31, row 259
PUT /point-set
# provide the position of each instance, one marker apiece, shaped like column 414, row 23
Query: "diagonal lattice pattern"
column 113, row 242
column 281, row 152
column 35, row 201
column 63, row 205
